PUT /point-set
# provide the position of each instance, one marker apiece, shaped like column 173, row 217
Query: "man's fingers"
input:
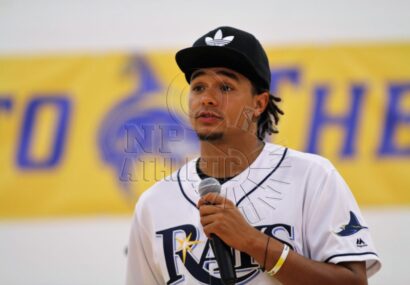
column 209, row 219
column 208, row 210
column 214, row 199
column 209, row 229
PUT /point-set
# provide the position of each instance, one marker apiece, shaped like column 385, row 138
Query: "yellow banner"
column 86, row 134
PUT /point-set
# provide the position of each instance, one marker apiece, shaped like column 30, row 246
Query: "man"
column 289, row 216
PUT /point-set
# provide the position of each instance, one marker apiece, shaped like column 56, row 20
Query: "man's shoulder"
column 164, row 188
column 168, row 183
column 310, row 160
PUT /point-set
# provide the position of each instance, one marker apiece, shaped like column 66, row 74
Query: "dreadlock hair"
column 269, row 118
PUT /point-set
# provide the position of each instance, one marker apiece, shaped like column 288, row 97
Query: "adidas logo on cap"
column 218, row 39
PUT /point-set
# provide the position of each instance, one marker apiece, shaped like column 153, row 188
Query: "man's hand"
column 221, row 217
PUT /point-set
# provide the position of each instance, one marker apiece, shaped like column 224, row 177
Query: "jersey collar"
column 240, row 186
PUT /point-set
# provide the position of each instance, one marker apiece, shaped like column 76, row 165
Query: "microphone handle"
column 224, row 259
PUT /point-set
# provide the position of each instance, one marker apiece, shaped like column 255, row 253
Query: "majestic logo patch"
column 360, row 243
column 352, row 227
column 218, row 39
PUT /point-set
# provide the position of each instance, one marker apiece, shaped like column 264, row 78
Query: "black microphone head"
column 209, row 185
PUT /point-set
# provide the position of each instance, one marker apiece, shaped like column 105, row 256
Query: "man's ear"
column 260, row 103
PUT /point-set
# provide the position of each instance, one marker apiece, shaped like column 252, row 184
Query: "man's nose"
column 210, row 98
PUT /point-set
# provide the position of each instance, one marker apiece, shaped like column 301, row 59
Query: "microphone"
column 221, row 250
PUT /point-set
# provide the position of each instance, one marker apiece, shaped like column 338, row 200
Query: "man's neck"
column 223, row 158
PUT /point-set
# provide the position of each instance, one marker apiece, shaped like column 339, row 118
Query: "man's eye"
column 197, row 88
column 226, row 88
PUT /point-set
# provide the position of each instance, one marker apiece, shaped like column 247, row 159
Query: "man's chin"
column 210, row 136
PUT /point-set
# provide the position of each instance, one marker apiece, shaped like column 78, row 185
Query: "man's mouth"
column 207, row 114
column 208, row 117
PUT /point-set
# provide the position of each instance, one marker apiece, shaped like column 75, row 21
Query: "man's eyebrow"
column 226, row 73
column 197, row 73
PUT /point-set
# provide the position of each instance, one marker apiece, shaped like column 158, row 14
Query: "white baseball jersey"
column 296, row 197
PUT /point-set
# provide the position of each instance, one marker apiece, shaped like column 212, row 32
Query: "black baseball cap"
column 231, row 48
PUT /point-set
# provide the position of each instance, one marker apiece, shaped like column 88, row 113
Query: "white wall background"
column 91, row 251
column 68, row 25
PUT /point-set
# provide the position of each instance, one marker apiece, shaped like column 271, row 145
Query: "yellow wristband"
column 280, row 261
